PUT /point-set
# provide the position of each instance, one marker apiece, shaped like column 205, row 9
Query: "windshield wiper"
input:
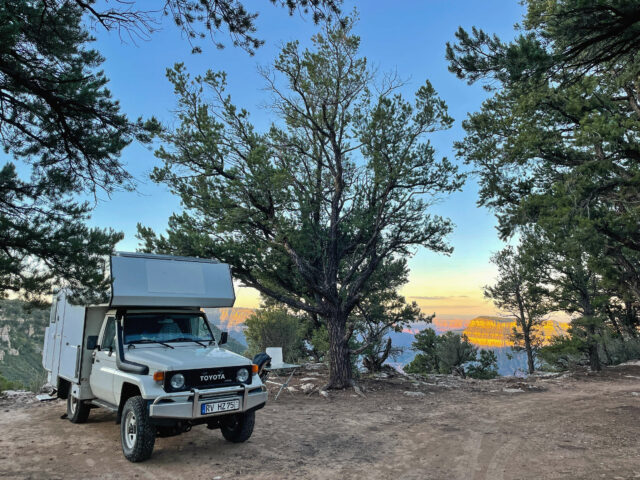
column 186, row 339
column 148, row 340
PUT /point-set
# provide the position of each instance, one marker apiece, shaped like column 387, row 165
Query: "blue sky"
column 408, row 36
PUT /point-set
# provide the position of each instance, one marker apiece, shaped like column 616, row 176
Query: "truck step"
column 103, row 404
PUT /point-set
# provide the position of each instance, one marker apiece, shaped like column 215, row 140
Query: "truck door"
column 104, row 363
column 71, row 344
column 49, row 335
column 56, row 335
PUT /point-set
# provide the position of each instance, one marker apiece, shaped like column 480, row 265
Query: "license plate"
column 216, row 407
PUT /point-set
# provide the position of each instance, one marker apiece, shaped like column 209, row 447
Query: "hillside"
column 21, row 339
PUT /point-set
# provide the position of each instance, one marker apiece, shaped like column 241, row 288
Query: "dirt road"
column 583, row 426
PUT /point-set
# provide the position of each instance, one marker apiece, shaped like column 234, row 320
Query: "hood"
column 190, row 357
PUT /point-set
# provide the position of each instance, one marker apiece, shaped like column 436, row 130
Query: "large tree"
column 556, row 141
column 520, row 291
column 556, row 145
column 309, row 211
column 62, row 135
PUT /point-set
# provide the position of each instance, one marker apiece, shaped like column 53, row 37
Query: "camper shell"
column 149, row 354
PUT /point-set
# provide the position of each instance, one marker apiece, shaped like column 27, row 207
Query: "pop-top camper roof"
column 145, row 280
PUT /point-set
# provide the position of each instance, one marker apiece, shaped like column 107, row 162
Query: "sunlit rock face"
column 496, row 332
column 445, row 325
column 230, row 320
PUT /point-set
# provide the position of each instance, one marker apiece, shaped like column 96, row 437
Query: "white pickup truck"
column 150, row 355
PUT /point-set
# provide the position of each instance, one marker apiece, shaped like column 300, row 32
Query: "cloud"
column 439, row 298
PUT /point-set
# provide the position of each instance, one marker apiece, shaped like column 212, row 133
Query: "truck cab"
column 158, row 367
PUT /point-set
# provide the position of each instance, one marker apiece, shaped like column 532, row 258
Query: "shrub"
column 8, row 385
column 563, row 352
column 275, row 327
column 484, row 367
column 440, row 354
column 453, row 350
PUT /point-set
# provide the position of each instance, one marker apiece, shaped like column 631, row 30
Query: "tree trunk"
column 339, row 354
column 592, row 349
column 527, row 346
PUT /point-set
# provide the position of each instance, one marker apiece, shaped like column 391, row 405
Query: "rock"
column 512, row 390
column 324, row 393
column 292, row 389
column 307, row 387
column 307, row 379
column 413, row 394
column 48, row 389
column 17, row 393
column 635, row 394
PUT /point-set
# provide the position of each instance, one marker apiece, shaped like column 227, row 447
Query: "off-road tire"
column 77, row 410
column 137, row 435
column 239, row 427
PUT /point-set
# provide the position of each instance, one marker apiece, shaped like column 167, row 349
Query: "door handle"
column 97, row 360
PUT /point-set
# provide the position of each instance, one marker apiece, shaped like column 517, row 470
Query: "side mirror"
column 92, row 342
column 224, row 336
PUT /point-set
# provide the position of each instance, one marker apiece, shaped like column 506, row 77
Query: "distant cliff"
column 231, row 320
column 495, row 332
column 21, row 339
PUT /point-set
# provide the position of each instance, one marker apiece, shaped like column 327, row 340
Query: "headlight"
column 242, row 375
column 177, row 381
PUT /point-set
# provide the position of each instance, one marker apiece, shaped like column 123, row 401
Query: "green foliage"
column 64, row 131
column 8, row 385
column 338, row 189
column 453, row 350
column 556, row 151
column 426, row 360
column 484, row 367
column 521, row 292
column 440, row 354
column 275, row 327
column 319, row 340
column 563, row 353
column 381, row 312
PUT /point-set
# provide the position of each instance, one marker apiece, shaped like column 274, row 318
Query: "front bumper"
column 188, row 405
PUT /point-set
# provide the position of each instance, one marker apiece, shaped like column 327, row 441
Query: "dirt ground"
column 580, row 426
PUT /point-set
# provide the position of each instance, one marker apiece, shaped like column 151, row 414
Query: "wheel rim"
column 130, row 430
column 73, row 404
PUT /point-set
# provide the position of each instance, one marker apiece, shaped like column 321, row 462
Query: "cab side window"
column 109, row 336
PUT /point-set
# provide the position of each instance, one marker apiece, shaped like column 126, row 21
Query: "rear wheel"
column 136, row 432
column 239, row 427
column 77, row 410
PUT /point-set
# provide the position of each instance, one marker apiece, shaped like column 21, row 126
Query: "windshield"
column 165, row 327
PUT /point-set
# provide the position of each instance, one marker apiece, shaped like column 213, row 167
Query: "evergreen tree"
column 63, row 133
column 308, row 212
column 446, row 353
column 520, row 291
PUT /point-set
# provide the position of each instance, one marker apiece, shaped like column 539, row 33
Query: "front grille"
column 205, row 378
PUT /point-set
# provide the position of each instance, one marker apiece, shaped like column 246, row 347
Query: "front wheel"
column 239, row 427
column 77, row 410
column 136, row 432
